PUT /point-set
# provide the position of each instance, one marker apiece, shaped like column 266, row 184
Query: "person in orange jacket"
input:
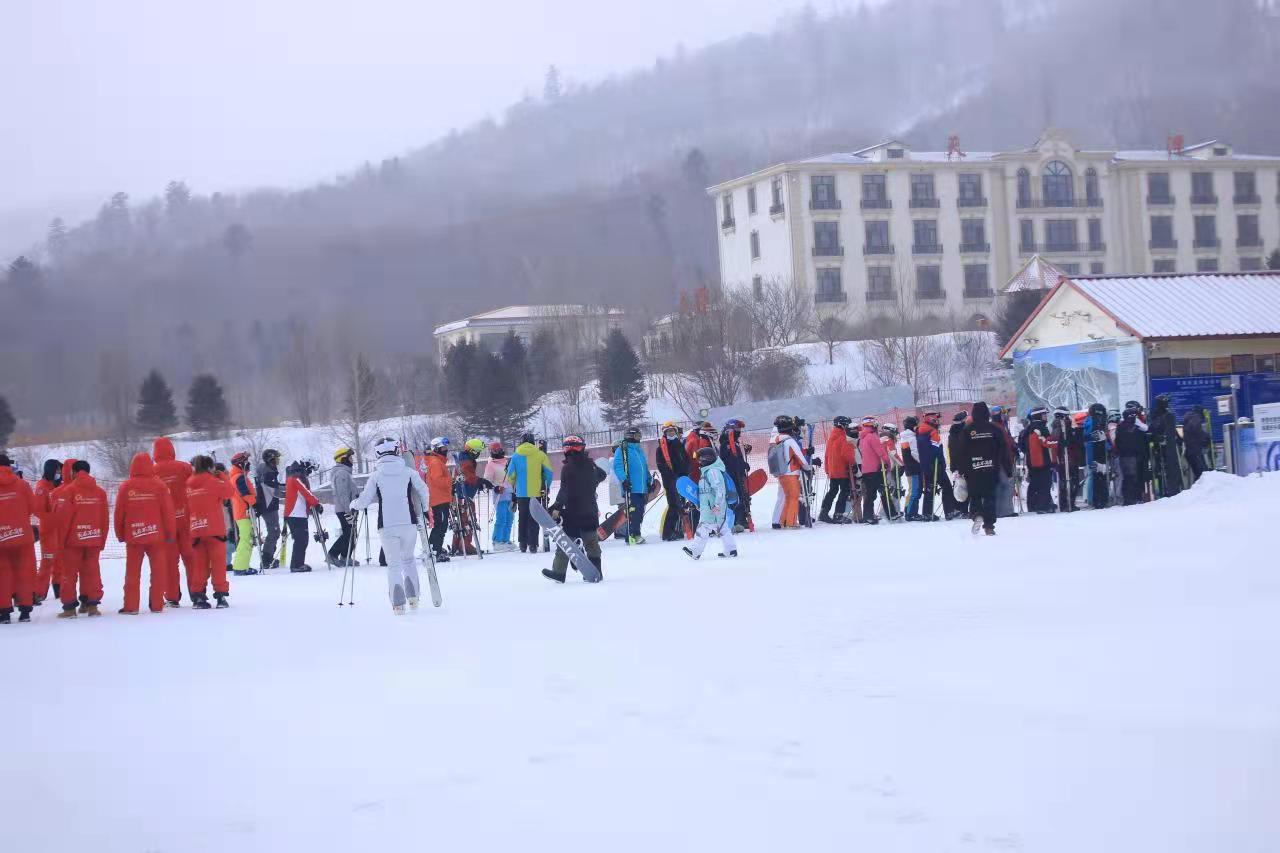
column 17, row 543
column 839, row 462
column 440, row 493
column 46, row 572
column 206, row 492
column 703, row 435
column 174, row 473
column 82, row 521
column 243, row 505
column 144, row 521
column 298, row 503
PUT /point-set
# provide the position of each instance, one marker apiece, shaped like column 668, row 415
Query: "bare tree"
column 363, row 400
column 900, row 352
column 832, row 331
column 302, row 368
column 115, row 395
column 781, row 312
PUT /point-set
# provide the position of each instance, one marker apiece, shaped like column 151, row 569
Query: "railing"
column 1204, row 199
column 829, row 297
column 824, row 204
column 1097, row 247
column 728, row 223
column 1249, row 241
column 777, row 209
column 926, row 249
column 974, row 248
column 1162, row 244
column 971, row 202
column 1247, row 198
column 828, row 251
column 984, row 293
column 877, row 204
column 924, row 202
column 877, row 250
column 939, row 396
column 880, row 295
column 1033, row 202
column 1160, row 200
column 1207, row 243
column 931, row 294
column 1062, row 247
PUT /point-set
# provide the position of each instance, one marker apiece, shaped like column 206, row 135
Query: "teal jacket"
column 713, row 501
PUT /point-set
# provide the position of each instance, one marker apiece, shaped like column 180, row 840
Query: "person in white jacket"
column 400, row 494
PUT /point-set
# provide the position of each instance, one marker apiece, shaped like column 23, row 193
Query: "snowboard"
column 618, row 517
column 756, row 480
column 571, row 547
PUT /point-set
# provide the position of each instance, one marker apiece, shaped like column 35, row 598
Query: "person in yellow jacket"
column 242, row 504
column 530, row 477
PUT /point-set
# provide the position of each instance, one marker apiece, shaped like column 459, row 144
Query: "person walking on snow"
column 733, row 453
column 982, row 455
column 17, row 544
column 175, row 473
column 144, row 522
column 298, row 503
column 632, row 470
column 875, row 463
column 270, row 491
column 839, row 464
column 401, row 495
column 82, row 521
column 576, row 508
column 344, row 492
column 46, row 572
column 243, row 503
column 713, row 507
column 495, row 471
column 529, row 474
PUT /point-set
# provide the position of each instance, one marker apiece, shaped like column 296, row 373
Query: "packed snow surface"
column 1105, row 681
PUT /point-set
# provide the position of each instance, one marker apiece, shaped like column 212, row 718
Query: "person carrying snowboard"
column 400, row 494
column 495, row 471
column 839, row 464
column 575, row 506
column 672, row 461
column 734, row 454
column 632, row 470
column 713, row 507
column 529, row 475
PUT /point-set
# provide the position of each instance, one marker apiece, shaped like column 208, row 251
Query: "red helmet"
column 240, row 460
column 573, row 444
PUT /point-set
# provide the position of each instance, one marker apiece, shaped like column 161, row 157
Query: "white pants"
column 705, row 530
column 402, row 568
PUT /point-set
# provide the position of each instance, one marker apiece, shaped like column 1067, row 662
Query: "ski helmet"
column 706, row 455
column 734, row 425
column 496, row 451
column 910, row 422
column 842, row 421
column 1039, row 413
column 632, row 434
column 784, row 423
column 869, row 421
column 959, row 417
column 706, row 429
column 271, row 456
column 241, row 459
column 889, row 429
column 338, row 455
column 527, row 438
column 5, row 462
column 440, row 444
column 997, row 412
column 668, row 427
column 386, row 446
column 475, row 446
column 1060, row 412
column 573, row 444
column 934, row 418
column 1113, row 417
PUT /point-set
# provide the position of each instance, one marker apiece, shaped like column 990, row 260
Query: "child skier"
column 400, row 494
column 713, row 507
column 496, row 472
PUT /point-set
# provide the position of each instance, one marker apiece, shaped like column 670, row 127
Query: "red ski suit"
column 205, row 494
column 17, row 543
column 144, row 522
column 81, row 516
column 174, row 473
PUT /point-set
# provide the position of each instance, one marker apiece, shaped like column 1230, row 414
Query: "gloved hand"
column 350, row 517
column 319, row 509
column 1100, row 467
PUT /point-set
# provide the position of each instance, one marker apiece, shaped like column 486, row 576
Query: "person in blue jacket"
column 632, row 470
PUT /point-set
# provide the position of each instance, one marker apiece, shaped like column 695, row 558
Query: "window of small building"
column 1158, row 367
column 1201, row 366
column 1179, row 367
column 1242, row 363
column 1266, row 364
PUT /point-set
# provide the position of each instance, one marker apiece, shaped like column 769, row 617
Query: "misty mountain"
column 595, row 193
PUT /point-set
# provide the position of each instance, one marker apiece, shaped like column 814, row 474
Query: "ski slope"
column 1105, row 681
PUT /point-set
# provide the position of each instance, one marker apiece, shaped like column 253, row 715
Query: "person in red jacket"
column 46, row 572
column 55, row 537
column 1040, row 448
column 298, row 503
column 839, row 464
column 17, row 543
column 174, row 473
column 206, row 492
column 144, row 522
column 82, row 520
column 703, row 435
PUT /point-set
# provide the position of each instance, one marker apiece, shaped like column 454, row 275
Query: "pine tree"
column 500, row 409
column 207, row 409
column 515, row 361
column 7, row 422
column 622, row 386
column 1014, row 310
column 157, row 414
column 463, row 363
column 546, row 371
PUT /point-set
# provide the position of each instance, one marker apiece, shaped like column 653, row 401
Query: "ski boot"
column 689, row 551
column 551, row 575
column 4, row 616
column 24, row 614
column 413, row 602
column 200, row 601
column 221, row 598
column 398, row 609
column 635, row 540
column 990, row 531
column 241, row 573
column 92, row 610
column 172, row 603
column 68, row 612
column 731, row 554
column 303, row 568
column 777, row 527
column 826, row 519
column 442, row 557
column 871, row 520
column 977, row 526
column 123, row 612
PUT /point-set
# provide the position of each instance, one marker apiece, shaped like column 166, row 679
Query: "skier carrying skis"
column 892, row 474
column 298, row 504
column 875, row 463
column 1164, row 437
column 467, row 484
column 440, row 489
column 982, row 454
column 933, row 467
column 839, row 460
column 576, row 508
column 496, row 472
column 733, row 453
column 713, row 507
column 17, row 543
column 270, row 491
column 632, row 470
column 399, row 492
column 1063, row 433
column 344, row 491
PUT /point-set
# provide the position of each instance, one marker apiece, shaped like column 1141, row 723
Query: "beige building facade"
column 938, row 233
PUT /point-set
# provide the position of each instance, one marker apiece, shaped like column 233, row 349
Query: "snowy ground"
column 902, row 688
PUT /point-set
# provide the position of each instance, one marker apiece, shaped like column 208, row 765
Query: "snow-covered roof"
column 1161, row 155
column 858, row 157
column 522, row 314
column 1206, row 305
column 1036, row 274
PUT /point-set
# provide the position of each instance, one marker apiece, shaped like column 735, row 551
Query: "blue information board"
column 1200, row 392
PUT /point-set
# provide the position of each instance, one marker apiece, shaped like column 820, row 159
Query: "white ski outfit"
column 394, row 485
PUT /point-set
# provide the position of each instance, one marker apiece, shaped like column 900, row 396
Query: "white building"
column 941, row 231
column 574, row 325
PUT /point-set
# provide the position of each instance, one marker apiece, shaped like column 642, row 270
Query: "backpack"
column 779, row 458
column 730, row 491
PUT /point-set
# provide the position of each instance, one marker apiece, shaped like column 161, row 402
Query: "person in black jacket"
column 733, row 453
column 982, row 455
column 673, row 463
column 954, row 435
column 575, row 506
column 1194, row 440
column 1164, row 439
column 1130, row 450
column 270, row 492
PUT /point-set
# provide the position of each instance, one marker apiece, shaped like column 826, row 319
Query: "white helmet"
column 438, row 444
column 386, row 446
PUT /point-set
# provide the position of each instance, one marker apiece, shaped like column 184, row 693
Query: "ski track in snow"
column 1105, row 681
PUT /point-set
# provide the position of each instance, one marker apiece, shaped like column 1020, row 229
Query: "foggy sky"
column 128, row 94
